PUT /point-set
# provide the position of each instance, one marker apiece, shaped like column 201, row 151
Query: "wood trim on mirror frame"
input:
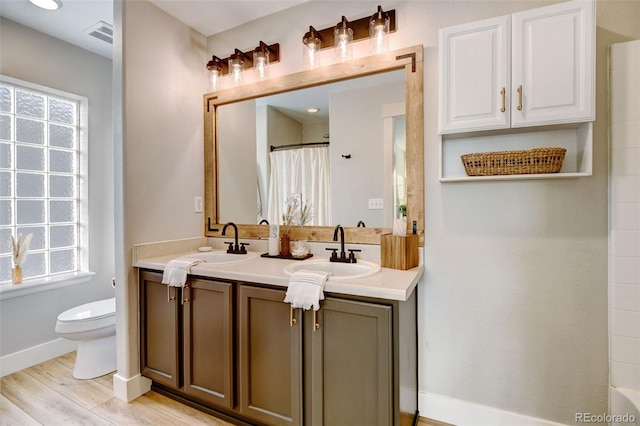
column 411, row 59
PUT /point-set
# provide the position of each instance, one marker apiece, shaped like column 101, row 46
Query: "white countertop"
column 388, row 284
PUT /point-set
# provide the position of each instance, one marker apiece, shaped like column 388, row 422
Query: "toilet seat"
column 90, row 316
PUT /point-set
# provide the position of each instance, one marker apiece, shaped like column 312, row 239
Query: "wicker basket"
column 538, row 160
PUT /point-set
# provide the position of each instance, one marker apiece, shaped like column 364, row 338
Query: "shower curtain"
column 303, row 171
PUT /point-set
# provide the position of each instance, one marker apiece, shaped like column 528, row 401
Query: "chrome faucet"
column 237, row 249
column 343, row 256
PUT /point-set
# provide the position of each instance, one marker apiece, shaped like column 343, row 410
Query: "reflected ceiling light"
column 313, row 110
column 47, row 4
column 343, row 40
column 312, row 44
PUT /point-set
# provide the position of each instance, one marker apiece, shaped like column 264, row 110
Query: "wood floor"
column 47, row 394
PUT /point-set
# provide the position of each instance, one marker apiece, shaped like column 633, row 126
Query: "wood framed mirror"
column 409, row 59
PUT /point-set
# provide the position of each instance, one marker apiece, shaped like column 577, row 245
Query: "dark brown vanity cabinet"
column 270, row 354
column 187, row 337
column 349, row 364
column 239, row 349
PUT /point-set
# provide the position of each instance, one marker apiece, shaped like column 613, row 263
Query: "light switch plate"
column 197, row 207
column 375, row 204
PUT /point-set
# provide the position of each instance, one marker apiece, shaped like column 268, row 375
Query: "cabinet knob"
column 519, row 108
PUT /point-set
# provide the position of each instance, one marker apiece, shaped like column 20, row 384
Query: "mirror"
column 228, row 115
column 341, row 153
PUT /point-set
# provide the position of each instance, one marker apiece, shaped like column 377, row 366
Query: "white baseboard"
column 461, row 413
column 129, row 389
column 35, row 355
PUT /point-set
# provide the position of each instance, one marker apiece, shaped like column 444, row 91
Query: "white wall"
column 513, row 305
column 624, row 249
column 29, row 321
column 357, row 129
column 237, row 199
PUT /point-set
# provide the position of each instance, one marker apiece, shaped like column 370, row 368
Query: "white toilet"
column 93, row 325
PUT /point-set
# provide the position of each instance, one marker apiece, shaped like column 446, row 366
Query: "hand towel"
column 175, row 272
column 306, row 289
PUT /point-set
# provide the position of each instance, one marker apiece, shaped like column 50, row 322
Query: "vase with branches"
column 19, row 251
column 296, row 213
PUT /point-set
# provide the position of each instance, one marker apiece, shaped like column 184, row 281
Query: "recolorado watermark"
column 605, row 418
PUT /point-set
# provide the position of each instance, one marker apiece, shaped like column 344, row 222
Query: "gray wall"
column 513, row 304
column 160, row 77
column 28, row 55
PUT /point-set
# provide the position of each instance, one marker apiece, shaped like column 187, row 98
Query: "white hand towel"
column 175, row 272
column 306, row 289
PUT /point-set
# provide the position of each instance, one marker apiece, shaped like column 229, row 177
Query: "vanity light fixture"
column 312, row 44
column 376, row 27
column 236, row 66
column 343, row 40
column 47, row 4
column 261, row 56
column 259, row 59
column 379, row 31
column 216, row 67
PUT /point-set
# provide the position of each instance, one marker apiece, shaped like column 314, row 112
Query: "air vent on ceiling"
column 102, row 31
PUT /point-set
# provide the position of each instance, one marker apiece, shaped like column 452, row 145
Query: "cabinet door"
column 474, row 76
column 351, row 368
column 159, row 325
column 553, row 65
column 270, row 353
column 208, row 341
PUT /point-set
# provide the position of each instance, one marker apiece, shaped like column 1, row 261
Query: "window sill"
column 38, row 285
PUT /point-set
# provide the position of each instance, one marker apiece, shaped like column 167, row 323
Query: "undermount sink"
column 338, row 271
column 220, row 257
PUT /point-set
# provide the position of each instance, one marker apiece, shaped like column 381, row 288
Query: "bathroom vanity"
column 228, row 343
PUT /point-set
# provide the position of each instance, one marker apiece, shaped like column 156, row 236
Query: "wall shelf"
column 576, row 138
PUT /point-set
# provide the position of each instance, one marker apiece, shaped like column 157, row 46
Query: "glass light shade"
column 379, row 33
column 236, row 68
column 261, row 64
column 215, row 77
column 311, row 50
column 343, row 37
column 215, row 67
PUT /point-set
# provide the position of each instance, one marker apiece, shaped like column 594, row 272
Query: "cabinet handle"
column 292, row 319
column 184, row 290
column 169, row 297
column 519, row 98
column 316, row 326
column 503, row 92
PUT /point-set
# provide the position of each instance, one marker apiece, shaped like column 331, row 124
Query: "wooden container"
column 399, row 252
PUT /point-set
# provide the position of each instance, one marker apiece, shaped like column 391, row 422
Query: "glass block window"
column 40, row 176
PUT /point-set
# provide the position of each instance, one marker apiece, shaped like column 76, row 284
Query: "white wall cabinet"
column 475, row 74
column 530, row 69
